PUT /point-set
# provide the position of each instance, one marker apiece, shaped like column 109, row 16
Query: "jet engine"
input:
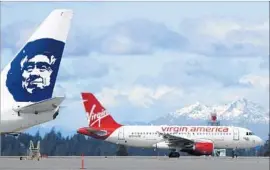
column 14, row 134
column 162, row 145
column 200, row 148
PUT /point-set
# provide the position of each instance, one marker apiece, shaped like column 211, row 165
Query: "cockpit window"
column 249, row 133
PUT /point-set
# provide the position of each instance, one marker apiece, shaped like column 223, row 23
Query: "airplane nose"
column 260, row 142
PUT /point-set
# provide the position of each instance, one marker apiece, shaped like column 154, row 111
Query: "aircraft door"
column 121, row 134
column 189, row 135
column 235, row 134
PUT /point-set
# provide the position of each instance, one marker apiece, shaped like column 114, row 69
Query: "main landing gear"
column 234, row 153
column 174, row 154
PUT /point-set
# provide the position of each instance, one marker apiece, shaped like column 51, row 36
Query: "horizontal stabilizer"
column 42, row 106
column 92, row 130
column 87, row 130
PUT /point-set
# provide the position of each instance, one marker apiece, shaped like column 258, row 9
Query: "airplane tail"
column 31, row 75
column 97, row 115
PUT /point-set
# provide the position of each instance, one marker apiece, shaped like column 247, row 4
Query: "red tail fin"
column 96, row 114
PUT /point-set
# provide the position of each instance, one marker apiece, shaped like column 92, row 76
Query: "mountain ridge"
column 241, row 110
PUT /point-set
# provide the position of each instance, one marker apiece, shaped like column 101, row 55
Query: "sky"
column 145, row 59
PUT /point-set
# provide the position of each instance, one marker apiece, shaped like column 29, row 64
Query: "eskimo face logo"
column 33, row 72
column 36, row 72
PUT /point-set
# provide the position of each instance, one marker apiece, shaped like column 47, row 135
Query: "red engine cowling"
column 201, row 148
column 205, row 148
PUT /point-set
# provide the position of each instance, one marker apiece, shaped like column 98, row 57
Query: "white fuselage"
column 147, row 137
column 11, row 122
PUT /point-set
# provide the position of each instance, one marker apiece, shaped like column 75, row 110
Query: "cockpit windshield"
column 249, row 133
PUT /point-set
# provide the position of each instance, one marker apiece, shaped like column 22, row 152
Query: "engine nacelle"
column 14, row 134
column 162, row 145
column 200, row 148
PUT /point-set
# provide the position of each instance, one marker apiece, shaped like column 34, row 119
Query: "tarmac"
column 136, row 163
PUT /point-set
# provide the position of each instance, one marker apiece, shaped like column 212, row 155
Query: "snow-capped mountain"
column 239, row 111
column 242, row 112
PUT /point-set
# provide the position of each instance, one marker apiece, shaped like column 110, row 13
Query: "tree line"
column 55, row 144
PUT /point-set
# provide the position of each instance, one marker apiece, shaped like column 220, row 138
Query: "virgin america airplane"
column 195, row 140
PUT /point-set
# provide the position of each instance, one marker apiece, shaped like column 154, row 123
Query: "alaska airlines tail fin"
column 97, row 115
column 31, row 75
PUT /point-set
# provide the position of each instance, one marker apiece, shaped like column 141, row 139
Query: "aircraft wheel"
column 174, row 155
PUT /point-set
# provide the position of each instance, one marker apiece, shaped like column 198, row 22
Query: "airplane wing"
column 176, row 140
column 42, row 106
column 198, row 147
